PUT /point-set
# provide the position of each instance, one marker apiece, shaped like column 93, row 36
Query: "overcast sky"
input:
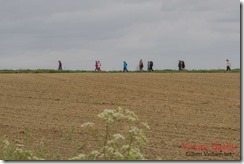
column 35, row 34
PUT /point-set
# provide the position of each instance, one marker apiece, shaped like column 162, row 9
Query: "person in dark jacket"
column 181, row 65
column 151, row 66
column 60, row 65
column 148, row 65
column 141, row 65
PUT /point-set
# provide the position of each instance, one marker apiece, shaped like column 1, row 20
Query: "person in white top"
column 228, row 64
column 99, row 65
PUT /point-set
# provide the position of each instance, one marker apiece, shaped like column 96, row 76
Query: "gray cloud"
column 37, row 33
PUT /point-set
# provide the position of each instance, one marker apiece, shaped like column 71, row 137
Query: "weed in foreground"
column 16, row 152
column 124, row 143
column 113, row 145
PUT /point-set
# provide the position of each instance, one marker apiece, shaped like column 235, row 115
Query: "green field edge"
column 6, row 71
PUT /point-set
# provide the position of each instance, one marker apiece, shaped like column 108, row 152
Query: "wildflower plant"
column 16, row 152
column 122, row 139
column 113, row 145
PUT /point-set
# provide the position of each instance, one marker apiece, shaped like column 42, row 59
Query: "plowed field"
column 191, row 108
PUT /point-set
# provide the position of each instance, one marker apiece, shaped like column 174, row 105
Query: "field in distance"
column 193, row 108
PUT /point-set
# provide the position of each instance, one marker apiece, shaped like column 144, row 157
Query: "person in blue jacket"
column 125, row 67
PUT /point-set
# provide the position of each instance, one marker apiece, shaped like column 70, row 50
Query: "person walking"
column 96, row 66
column 99, row 65
column 228, row 65
column 125, row 67
column 141, row 65
column 148, row 66
column 180, row 65
column 183, row 65
column 151, row 66
column 60, row 66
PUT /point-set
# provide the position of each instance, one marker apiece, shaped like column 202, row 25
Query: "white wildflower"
column 110, row 120
column 19, row 145
column 110, row 150
column 136, row 154
column 119, row 116
column 145, row 124
column 79, row 157
column 118, row 137
column 19, row 150
column 107, row 115
column 118, row 155
column 120, row 109
column 95, row 152
column 87, row 125
column 36, row 158
column 6, row 142
column 131, row 116
column 111, row 142
column 134, row 131
column 125, row 147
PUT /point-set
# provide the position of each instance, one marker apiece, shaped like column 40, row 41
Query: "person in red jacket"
column 96, row 66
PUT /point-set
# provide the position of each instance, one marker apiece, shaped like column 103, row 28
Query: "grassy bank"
column 87, row 71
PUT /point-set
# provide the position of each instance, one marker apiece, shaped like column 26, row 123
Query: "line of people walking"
column 181, row 65
column 149, row 65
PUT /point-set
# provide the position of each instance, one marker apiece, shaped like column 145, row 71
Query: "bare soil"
column 190, row 108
